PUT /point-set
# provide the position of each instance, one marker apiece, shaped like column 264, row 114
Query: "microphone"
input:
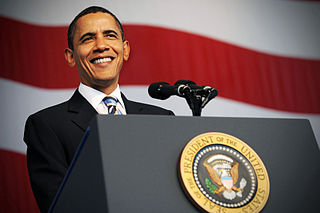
column 199, row 90
column 163, row 90
column 196, row 96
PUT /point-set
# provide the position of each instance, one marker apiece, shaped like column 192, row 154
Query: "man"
column 97, row 48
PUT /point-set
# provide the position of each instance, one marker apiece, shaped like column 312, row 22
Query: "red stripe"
column 34, row 55
column 15, row 191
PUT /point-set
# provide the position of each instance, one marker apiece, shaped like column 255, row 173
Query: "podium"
column 130, row 163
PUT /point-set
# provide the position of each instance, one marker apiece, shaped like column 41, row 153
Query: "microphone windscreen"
column 158, row 90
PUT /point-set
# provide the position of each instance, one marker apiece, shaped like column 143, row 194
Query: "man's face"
column 98, row 51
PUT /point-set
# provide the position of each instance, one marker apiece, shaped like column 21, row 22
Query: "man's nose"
column 101, row 44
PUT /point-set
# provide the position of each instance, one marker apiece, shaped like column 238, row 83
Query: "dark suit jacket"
column 52, row 136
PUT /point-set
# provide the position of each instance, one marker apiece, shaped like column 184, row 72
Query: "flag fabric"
column 263, row 58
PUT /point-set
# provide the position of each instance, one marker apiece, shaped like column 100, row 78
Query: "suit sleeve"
column 45, row 160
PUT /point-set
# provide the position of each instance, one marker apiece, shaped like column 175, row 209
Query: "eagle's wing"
column 234, row 172
column 213, row 174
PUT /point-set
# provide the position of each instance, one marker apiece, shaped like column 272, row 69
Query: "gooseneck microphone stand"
column 194, row 101
column 196, row 97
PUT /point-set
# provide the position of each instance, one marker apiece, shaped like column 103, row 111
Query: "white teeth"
column 102, row 60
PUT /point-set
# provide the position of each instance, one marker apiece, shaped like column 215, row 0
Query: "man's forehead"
column 96, row 21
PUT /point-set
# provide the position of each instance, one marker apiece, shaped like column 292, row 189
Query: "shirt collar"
column 94, row 97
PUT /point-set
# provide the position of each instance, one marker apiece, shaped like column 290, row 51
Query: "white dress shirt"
column 95, row 97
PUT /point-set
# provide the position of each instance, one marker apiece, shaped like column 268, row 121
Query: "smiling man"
column 97, row 48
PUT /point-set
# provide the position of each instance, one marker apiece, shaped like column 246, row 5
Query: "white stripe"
column 18, row 101
column 289, row 28
column 22, row 100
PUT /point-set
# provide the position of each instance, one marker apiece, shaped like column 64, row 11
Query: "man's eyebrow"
column 110, row 31
column 87, row 34
column 90, row 34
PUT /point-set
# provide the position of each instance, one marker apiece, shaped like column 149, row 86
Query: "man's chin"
column 105, row 84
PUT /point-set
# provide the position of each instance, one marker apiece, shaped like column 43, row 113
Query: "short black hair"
column 92, row 9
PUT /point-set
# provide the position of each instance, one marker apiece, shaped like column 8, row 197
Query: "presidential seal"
column 221, row 173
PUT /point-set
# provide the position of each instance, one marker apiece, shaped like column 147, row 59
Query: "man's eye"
column 86, row 39
column 111, row 36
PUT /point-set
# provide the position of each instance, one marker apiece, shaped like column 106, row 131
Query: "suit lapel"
column 132, row 107
column 82, row 110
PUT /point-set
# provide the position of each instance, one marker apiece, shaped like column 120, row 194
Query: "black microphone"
column 196, row 96
column 163, row 90
column 199, row 90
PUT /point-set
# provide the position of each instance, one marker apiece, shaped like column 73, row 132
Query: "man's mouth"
column 101, row 60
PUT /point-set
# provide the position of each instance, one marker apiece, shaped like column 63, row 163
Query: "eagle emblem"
column 223, row 172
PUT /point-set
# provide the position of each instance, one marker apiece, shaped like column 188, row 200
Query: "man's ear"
column 126, row 50
column 68, row 54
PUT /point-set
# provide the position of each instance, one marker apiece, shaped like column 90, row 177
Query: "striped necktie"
column 111, row 103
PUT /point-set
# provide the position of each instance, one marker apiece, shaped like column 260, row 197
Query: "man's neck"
column 106, row 90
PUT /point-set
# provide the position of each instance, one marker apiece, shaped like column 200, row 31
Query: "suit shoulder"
column 45, row 119
column 51, row 111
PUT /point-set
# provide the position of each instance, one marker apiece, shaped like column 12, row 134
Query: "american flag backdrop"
column 262, row 56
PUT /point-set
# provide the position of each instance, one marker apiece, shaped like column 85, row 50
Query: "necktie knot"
column 111, row 103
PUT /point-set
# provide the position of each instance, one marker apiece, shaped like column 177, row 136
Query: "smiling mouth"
column 101, row 60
